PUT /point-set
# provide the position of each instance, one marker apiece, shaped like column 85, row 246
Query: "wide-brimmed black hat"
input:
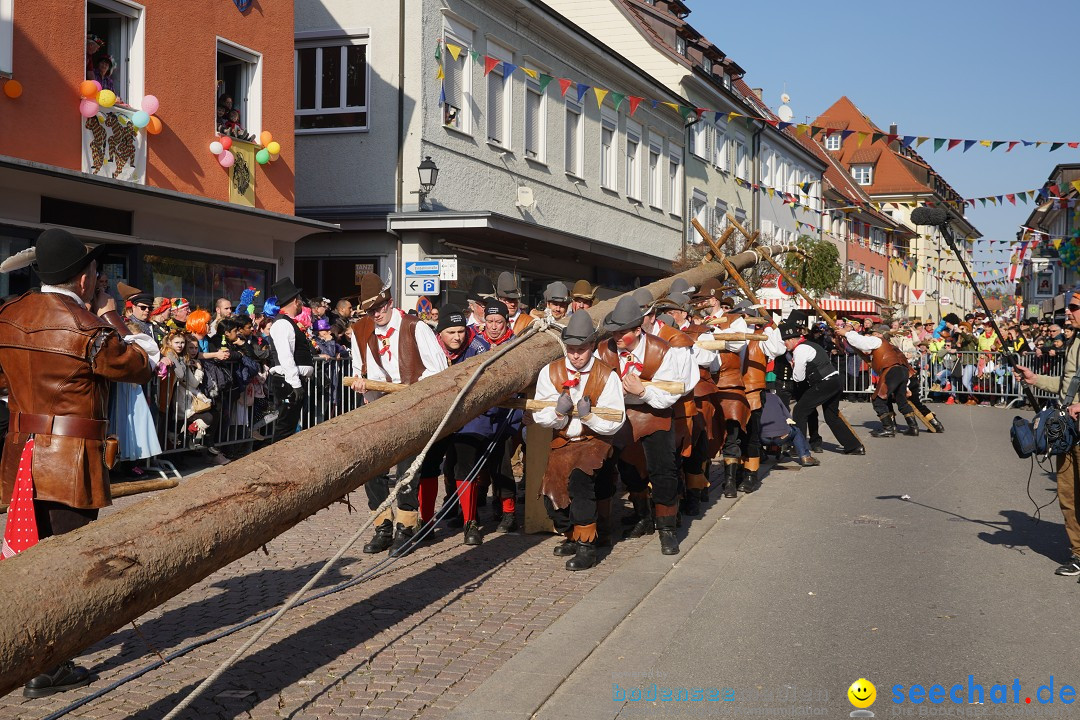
column 481, row 290
column 627, row 315
column 507, row 286
column 789, row 331
column 798, row 317
column 579, row 330
column 284, row 291
column 60, row 256
column 557, row 292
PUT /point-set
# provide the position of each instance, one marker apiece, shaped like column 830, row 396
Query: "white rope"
column 538, row 326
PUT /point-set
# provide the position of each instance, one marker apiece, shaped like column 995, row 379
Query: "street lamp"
column 429, row 174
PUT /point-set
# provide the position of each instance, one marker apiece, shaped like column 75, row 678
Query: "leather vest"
column 731, row 369
column 594, row 386
column 301, row 346
column 410, row 364
column 886, row 356
column 681, row 339
column 523, row 321
column 756, row 367
column 644, row 419
column 59, row 359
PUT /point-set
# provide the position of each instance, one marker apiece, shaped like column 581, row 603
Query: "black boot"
column 402, row 537
column 669, row 543
column 65, row 676
column 690, row 505
column 750, row 483
column 508, row 523
column 912, row 429
column 567, row 548
column 585, row 557
column 383, row 539
column 644, row 524
column 888, row 427
column 935, row 423
column 730, row 488
column 472, row 533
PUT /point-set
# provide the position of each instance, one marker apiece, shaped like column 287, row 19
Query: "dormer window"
column 680, row 45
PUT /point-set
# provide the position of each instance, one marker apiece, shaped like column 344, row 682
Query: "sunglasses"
column 143, row 307
column 1073, row 307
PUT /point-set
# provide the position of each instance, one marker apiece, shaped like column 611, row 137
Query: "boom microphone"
column 930, row 216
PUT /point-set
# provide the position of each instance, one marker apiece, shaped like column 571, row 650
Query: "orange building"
column 139, row 171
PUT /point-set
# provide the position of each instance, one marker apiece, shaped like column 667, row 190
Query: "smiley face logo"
column 862, row 693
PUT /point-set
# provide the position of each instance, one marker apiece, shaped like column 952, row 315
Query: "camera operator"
column 1066, row 386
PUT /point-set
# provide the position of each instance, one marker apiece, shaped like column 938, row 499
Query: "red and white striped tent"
column 843, row 306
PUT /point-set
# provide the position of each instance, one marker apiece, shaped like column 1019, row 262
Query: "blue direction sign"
column 420, row 268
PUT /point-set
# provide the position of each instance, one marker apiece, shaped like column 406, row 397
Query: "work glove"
column 584, row 406
column 565, row 404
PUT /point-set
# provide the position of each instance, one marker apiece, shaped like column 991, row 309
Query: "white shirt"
column 865, row 343
column 431, row 355
column 698, row 356
column 283, row 338
column 611, row 399
column 800, row 356
column 673, row 369
column 735, row 346
column 153, row 352
column 774, row 346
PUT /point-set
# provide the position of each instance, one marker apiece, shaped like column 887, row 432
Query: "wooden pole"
column 733, row 274
column 534, row 405
column 108, row 573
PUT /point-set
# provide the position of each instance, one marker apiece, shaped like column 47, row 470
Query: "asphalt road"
column 828, row 575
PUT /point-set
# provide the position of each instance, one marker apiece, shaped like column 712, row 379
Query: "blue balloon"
column 140, row 119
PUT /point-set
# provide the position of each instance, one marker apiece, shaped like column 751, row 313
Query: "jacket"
column 58, row 359
column 1060, row 384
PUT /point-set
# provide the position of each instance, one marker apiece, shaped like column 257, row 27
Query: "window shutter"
column 532, row 123
column 496, row 93
column 452, row 80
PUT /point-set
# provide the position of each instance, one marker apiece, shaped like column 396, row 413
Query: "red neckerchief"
column 505, row 336
column 384, row 341
column 574, row 376
column 631, row 363
column 452, row 356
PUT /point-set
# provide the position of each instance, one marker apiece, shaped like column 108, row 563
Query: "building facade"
column 538, row 173
column 1049, row 266
column 185, row 224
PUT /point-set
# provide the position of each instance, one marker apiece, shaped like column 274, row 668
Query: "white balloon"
column 216, row 147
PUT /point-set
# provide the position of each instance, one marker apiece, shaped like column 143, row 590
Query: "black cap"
column 790, row 332
column 450, row 317
column 60, row 256
column 496, row 307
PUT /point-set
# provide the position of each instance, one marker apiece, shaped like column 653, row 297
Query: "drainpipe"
column 399, row 203
column 755, row 148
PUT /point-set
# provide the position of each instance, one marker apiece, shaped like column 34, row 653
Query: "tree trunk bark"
column 72, row 590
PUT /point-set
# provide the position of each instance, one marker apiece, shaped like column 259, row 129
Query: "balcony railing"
column 112, row 147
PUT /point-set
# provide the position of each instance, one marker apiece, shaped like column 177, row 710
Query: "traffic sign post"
column 417, row 286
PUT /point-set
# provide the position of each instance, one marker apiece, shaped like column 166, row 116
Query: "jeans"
column 794, row 436
column 969, row 376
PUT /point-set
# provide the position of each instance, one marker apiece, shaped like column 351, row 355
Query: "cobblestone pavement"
column 409, row 643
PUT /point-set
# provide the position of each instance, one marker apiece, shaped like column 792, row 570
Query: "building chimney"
column 892, row 129
column 759, row 92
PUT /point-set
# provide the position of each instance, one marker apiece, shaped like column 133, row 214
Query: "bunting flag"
column 634, row 102
column 617, row 98
column 544, row 80
column 600, row 95
column 581, row 90
column 904, row 140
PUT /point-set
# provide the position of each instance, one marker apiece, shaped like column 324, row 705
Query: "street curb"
column 526, row 681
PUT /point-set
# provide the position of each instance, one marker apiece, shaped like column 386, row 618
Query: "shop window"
column 332, row 84
column 55, row 211
column 114, row 48
column 239, row 91
column 7, row 26
column 201, row 279
column 18, row 281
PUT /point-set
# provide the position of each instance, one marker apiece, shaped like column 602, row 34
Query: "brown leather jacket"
column 59, row 359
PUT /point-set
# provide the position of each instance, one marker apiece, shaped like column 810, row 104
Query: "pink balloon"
column 226, row 158
column 88, row 108
column 99, row 87
column 150, row 104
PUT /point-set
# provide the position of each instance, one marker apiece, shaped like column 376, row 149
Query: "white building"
column 530, row 179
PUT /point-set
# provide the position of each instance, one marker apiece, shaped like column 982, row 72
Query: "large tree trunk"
column 72, row 590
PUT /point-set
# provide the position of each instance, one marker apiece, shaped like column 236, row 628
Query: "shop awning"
column 843, row 306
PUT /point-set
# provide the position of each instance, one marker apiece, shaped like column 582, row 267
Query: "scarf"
column 505, row 336
column 453, row 356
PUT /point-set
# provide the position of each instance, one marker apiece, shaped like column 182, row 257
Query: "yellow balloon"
column 106, row 98
column 274, row 147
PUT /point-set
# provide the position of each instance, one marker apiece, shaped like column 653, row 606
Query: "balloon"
column 274, row 147
column 150, row 104
column 216, row 148
column 155, row 125
column 140, row 119
column 226, row 159
column 274, row 158
column 89, row 88
column 88, row 108
column 226, row 142
column 265, row 138
column 106, row 98
column 97, row 86
column 262, row 157
column 13, row 89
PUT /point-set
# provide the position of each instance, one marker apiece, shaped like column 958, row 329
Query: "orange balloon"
column 88, row 88
column 266, row 138
column 13, row 89
column 155, row 125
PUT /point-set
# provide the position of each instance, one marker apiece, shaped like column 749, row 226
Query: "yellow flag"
column 732, row 115
column 455, row 50
column 601, row 93
column 920, row 140
column 531, row 73
column 673, row 106
column 860, row 138
column 1076, row 185
column 439, row 75
column 801, row 128
column 985, row 143
column 771, row 192
column 1056, row 243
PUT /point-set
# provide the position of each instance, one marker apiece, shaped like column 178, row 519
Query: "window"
column 680, row 46
column 575, row 138
column 675, row 180
column 742, row 167
column 457, row 77
column 119, row 25
column 633, row 160
column 332, row 84
column 656, row 177
column 740, row 216
column 7, row 26
column 720, row 221
column 607, row 152
column 720, row 147
column 832, row 142
column 239, row 90
column 535, row 121
column 699, row 144
column 768, row 231
column 767, row 167
column 499, row 92
column 699, row 210
column 863, row 174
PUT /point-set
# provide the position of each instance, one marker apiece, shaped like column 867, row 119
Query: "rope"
column 402, row 482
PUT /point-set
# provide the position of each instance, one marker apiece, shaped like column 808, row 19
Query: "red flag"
column 1073, row 145
column 565, row 84
column 634, row 100
column 1012, row 199
column 1013, row 144
column 700, row 112
column 1054, row 189
column 490, row 64
column 954, row 143
column 21, row 531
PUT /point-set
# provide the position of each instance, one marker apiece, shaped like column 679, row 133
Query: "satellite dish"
column 785, row 98
column 784, row 113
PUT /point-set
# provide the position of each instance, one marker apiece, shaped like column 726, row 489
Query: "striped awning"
column 837, row 305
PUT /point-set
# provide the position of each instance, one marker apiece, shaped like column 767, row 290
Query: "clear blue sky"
column 983, row 69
